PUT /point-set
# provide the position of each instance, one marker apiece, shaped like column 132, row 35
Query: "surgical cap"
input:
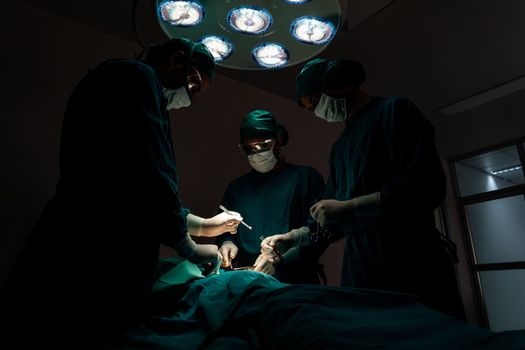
column 343, row 72
column 319, row 74
column 199, row 55
column 310, row 79
column 203, row 60
column 258, row 123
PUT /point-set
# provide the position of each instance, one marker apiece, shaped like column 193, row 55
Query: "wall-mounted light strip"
column 506, row 170
column 484, row 97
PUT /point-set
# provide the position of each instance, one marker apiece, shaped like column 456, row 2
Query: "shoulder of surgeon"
column 288, row 168
column 307, row 170
column 126, row 68
column 389, row 102
column 303, row 174
column 395, row 104
column 400, row 110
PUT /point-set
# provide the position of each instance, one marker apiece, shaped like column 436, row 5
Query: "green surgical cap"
column 201, row 57
column 340, row 73
column 258, row 123
column 203, row 60
column 320, row 74
column 310, row 79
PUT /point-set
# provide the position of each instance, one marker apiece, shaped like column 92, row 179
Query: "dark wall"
column 42, row 58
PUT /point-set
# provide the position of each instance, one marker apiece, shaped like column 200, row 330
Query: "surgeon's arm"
column 149, row 123
column 420, row 182
column 215, row 226
column 228, row 201
column 367, row 205
column 328, row 210
column 301, row 248
column 295, row 238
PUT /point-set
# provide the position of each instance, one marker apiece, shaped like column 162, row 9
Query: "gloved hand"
column 200, row 254
column 215, row 226
column 330, row 209
column 264, row 265
column 271, row 246
column 228, row 251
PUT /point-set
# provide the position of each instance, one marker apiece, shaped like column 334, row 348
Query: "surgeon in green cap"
column 274, row 197
column 89, row 261
column 386, row 181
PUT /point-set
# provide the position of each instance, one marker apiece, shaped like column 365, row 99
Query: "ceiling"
column 437, row 52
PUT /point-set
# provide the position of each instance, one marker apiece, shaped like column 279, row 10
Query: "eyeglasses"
column 315, row 100
column 256, row 147
column 194, row 82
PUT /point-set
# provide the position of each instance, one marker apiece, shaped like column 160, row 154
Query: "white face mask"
column 331, row 109
column 263, row 162
column 178, row 98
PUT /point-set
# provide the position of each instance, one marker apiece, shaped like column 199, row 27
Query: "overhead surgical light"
column 313, row 30
column 181, row 13
column 270, row 55
column 250, row 19
column 219, row 47
column 254, row 34
column 296, row 1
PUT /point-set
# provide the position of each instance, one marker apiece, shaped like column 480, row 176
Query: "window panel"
column 497, row 228
column 503, row 292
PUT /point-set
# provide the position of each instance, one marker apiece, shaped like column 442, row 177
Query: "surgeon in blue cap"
column 274, row 197
column 386, row 180
column 89, row 262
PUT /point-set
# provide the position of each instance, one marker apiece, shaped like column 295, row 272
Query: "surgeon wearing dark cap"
column 274, row 197
column 89, row 261
column 386, row 180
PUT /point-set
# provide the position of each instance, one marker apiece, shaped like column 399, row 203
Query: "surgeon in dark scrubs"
column 87, row 269
column 274, row 197
column 386, row 180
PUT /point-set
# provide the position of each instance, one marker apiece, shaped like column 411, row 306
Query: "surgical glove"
column 213, row 268
column 206, row 254
column 264, row 265
column 202, row 254
column 330, row 209
column 368, row 205
column 221, row 223
column 295, row 238
column 194, row 224
column 228, row 251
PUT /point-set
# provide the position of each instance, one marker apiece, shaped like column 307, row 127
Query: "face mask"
column 331, row 109
column 263, row 162
column 177, row 98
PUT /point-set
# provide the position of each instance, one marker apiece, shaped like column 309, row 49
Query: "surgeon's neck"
column 280, row 162
column 359, row 100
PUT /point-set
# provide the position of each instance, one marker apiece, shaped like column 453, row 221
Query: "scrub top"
column 388, row 147
column 273, row 203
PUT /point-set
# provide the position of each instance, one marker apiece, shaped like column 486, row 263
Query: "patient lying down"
column 251, row 310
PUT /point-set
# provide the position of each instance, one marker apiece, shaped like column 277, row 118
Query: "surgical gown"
column 89, row 260
column 272, row 203
column 388, row 147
